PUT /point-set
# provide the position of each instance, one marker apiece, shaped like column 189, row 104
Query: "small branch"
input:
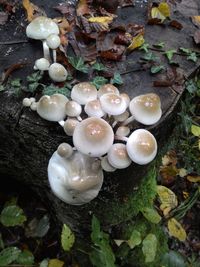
column 14, row 42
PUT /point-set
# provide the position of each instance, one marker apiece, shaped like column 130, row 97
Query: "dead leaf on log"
column 197, row 36
column 32, row 10
column 157, row 13
column 3, row 18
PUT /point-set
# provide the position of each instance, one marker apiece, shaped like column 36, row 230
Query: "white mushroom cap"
column 93, row 137
column 53, row 41
column 70, row 125
column 122, row 117
column 84, row 92
column 57, row 72
column 146, row 108
column 65, row 150
column 118, row 156
column 26, row 102
column 112, row 104
column 123, row 131
column 41, row 64
column 126, row 98
column 107, row 88
column 106, row 165
column 52, row 108
column 41, row 27
column 34, row 106
column 73, row 180
column 93, row 109
column 73, row 109
column 141, row 146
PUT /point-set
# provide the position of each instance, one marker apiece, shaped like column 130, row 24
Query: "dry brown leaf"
column 168, row 174
column 193, row 179
column 82, row 8
column 32, row 10
column 63, row 25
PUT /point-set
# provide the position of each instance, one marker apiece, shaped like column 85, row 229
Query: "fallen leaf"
column 32, row 10
column 168, row 174
column 197, row 36
column 167, row 198
column 176, row 24
column 66, row 9
column 169, row 158
column 193, row 179
column 137, row 41
column 55, row 263
column 195, row 130
column 176, row 229
column 3, row 18
column 82, row 8
column 114, row 53
column 159, row 13
column 196, row 21
column 63, row 25
column 101, row 19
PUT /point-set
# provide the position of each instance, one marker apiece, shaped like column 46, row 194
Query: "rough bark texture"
column 27, row 141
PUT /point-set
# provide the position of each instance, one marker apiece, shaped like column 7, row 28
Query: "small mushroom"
column 26, row 102
column 41, row 64
column 65, row 150
column 75, row 180
column 93, row 109
column 123, row 131
column 118, row 156
column 141, row 146
column 126, row 98
column 57, row 72
column 52, row 108
column 53, row 42
column 69, row 126
column 107, row 88
column 106, row 165
column 112, row 104
column 84, row 92
column 93, row 137
column 73, row 109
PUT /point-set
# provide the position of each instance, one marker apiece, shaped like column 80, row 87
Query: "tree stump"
column 27, row 141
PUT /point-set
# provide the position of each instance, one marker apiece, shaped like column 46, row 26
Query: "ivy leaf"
column 195, row 130
column 55, row 263
column 169, row 54
column 12, row 216
column 16, row 83
column 160, row 45
column 191, row 86
column 51, row 89
column 98, row 81
column 99, row 67
column 135, row 239
column 78, row 64
column 149, row 247
column 117, row 79
column 151, row 215
column 150, row 57
column 192, row 57
column 34, row 77
column 9, row 255
column 176, row 229
column 145, row 47
column 156, row 69
column 185, row 50
column 25, row 258
column 67, row 238
column 173, row 259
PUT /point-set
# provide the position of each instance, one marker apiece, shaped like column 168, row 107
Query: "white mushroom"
column 126, row 98
column 53, row 42
column 33, row 106
column 41, row 64
column 106, row 165
column 69, row 126
column 93, row 109
column 123, row 131
column 52, row 108
column 65, row 150
column 93, row 137
column 26, row 102
column 84, row 92
column 118, row 156
column 57, row 72
column 120, row 118
column 145, row 109
column 107, row 88
column 141, row 146
column 73, row 109
column 75, row 180
column 112, row 104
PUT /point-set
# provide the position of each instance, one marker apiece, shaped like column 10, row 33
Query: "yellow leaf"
column 55, row 263
column 196, row 20
column 193, row 179
column 29, row 9
column 164, row 9
column 101, row 19
column 161, row 12
column 176, row 229
column 167, row 198
column 195, row 130
column 137, row 41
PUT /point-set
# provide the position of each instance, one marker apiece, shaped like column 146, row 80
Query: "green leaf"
column 12, row 216
column 173, row 259
column 185, row 50
column 42, row 226
column 151, row 215
column 98, row 81
column 2, row 88
column 1, row 242
column 34, row 77
column 193, row 57
column 117, row 79
column 51, row 89
column 169, row 54
column 67, row 238
column 135, row 239
column 156, row 69
column 44, row 263
column 144, row 47
column 78, row 64
column 9, row 255
column 32, row 87
column 191, row 86
column 195, row 130
column 55, row 263
column 15, row 83
column 160, row 45
column 99, row 67
column 25, row 258
column 149, row 247
column 150, row 57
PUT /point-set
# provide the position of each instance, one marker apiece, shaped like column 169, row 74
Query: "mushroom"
column 93, row 109
column 41, row 64
column 52, row 108
column 57, row 72
column 73, row 109
column 84, row 92
column 39, row 29
column 53, row 42
column 123, row 131
column 118, row 156
column 120, row 118
column 26, row 102
column 126, row 98
column 93, row 137
column 145, row 109
column 75, row 180
column 65, row 150
column 141, row 146
column 107, row 88
column 69, row 126
column 106, row 165
column 112, row 104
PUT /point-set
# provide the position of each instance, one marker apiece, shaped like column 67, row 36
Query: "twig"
column 14, row 42
column 131, row 70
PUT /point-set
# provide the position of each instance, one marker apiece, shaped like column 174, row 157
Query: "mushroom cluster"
column 46, row 30
column 99, row 123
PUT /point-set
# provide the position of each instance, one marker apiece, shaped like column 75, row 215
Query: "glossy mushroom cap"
column 41, row 64
column 118, row 156
column 52, row 108
column 53, row 41
column 57, row 72
column 84, row 92
column 93, row 137
column 65, row 150
column 41, row 27
column 73, row 109
column 107, row 88
column 141, row 146
column 112, row 104
column 74, row 180
column 70, row 125
column 106, row 165
column 93, row 109
column 146, row 108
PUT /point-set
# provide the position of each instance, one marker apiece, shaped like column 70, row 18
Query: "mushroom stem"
column 79, row 118
column 114, row 124
column 61, row 123
column 54, row 55
column 130, row 119
column 46, row 51
column 121, row 138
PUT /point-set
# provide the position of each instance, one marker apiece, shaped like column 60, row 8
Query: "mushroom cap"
column 93, row 137
column 113, row 104
column 65, row 150
column 106, row 165
column 73, row 109
column 73, row 180
column 146, row 108
column 123, row 131
column 53, row 41
column 84, row 92
column 70, row 125
column 26, row 102
column 57, row 72
column 93, row 109
column 107, row 88
column 118, row 156
column 141, row 146
column 41, row 64
column 122, row 117
column 41, row 27
column 52, row 108
column 126, row 98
